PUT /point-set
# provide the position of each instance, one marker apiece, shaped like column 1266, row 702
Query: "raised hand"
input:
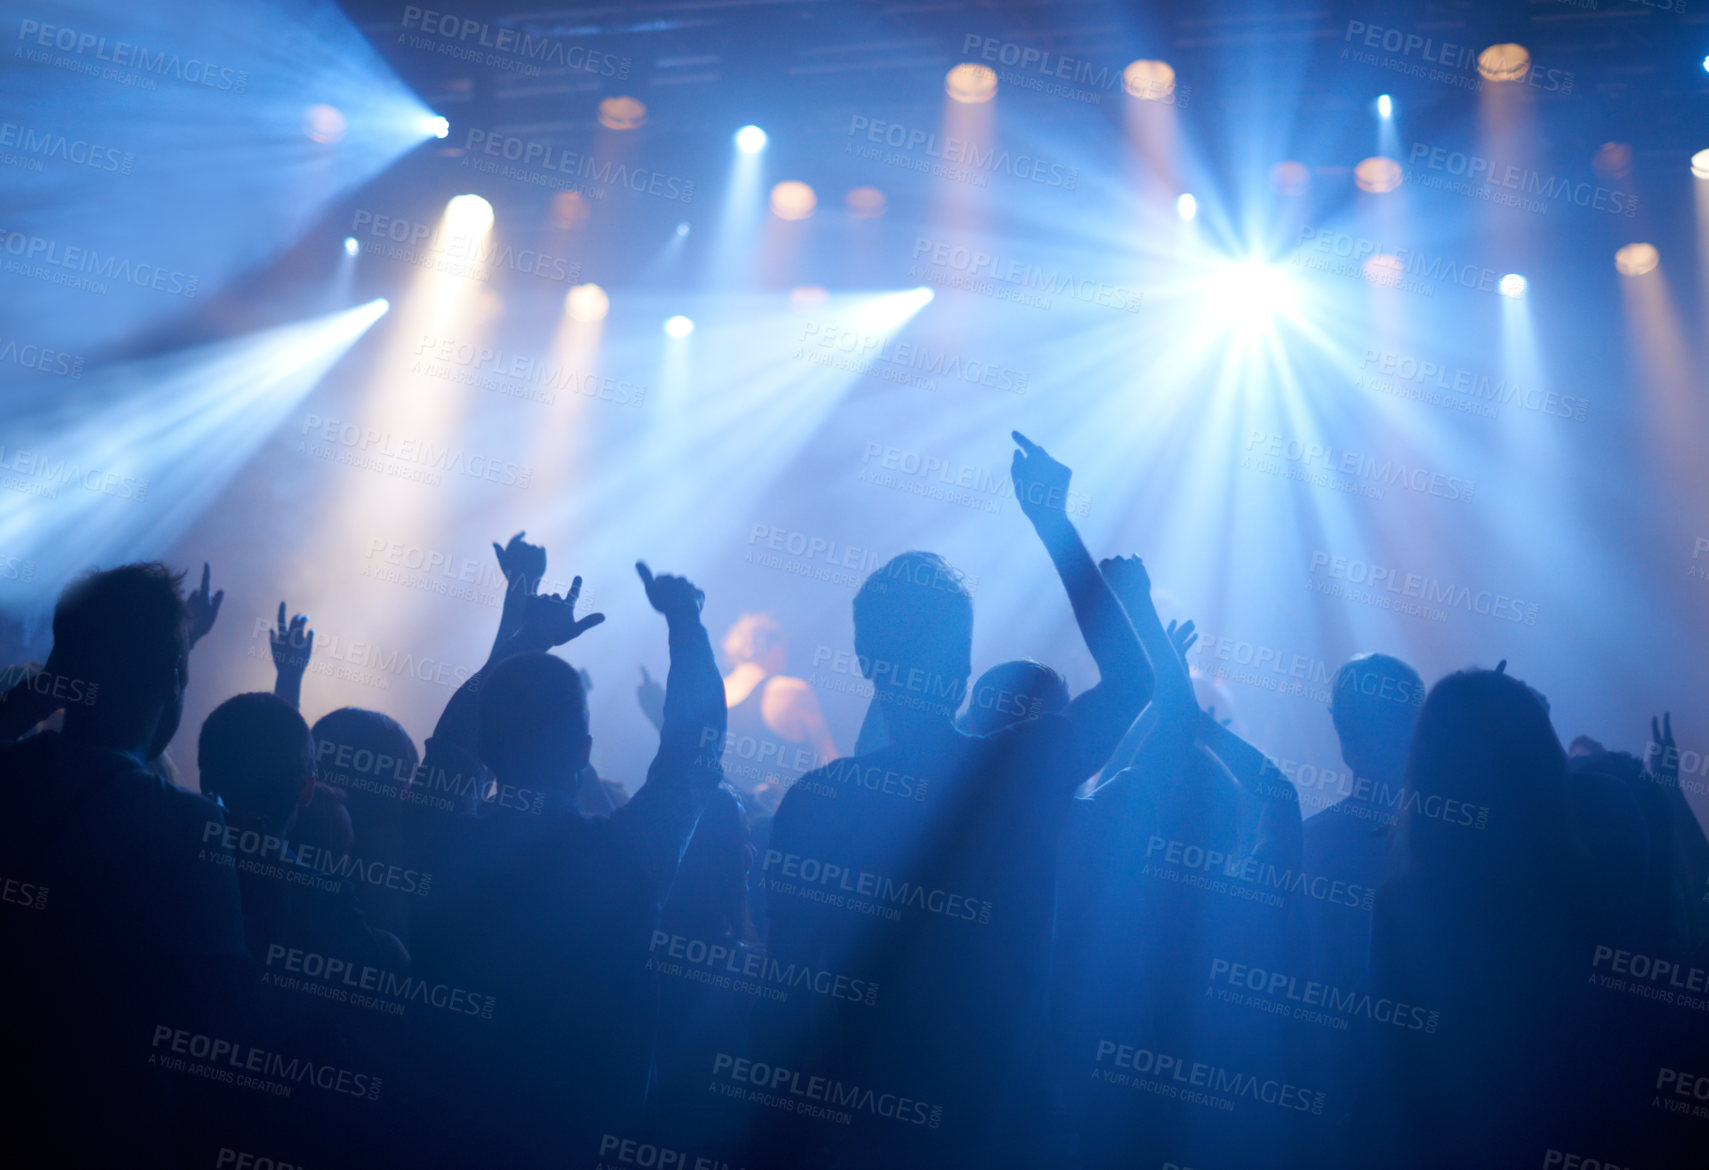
column 1663, row 753
column 521, row 562
column 204, row 609
column 550, row 619
column 651, row 696
column 1128, row 579
column 675, row 597
column 292, row 644
column 1182, row 638
column 1041, row 483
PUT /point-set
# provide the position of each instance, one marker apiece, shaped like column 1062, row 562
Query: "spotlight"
column 379, row 307
column 681, row 230
column 436, row 127
column 1186, row 206
column 1511, row 285
column 587, row 302
column 323, row 123
column 1613, row 159
column 1507, row 62
column 1706, row 64
column 351, row 245
column 569, row 210
column 622, row 113
column 751, row 140
column 679, row 327
column 1385, row 106
column 468, row 215
column 1149, row 80
column 1636, row 259
column 1700, row 164
column 1378, row 175
column 792, row 199
column 864, row 202
column 971, row 83
column 1251, row 292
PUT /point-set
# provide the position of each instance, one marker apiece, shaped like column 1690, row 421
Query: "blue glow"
column 1385, row 106
column 679, row 327
column 751, row 140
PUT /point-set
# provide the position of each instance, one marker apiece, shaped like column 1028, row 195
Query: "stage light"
column 1511, row 285
column 1706, row 64
column 681, row 230
column 1186, row 206
column 1249, row 293
column 569, row 210
column 1700, row 164
column 1613, row 159
column 1149, row 80
column 792, row 199
column 1385, row 106
column 679, row 327
column 971, row 83
column 1636, row 259
column 436, row 127
column 1506, row 62
column 751, row 140
column 587, row 302
column 1378, row 175
column 352, row 245
column 1290, row 178
column 323, row 123
column 864, row 202
column 622, row 113
column 468, row 215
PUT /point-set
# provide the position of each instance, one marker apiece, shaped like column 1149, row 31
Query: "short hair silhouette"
column 255, row 753
column 1010, row 692
column 913, row 620
column 533, row 714
column 122, row 628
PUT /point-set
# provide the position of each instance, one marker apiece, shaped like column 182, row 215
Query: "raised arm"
column 524, row 567
column 1161, row 739
column 1281, row 833
column 1125, row 674
column 292, row 645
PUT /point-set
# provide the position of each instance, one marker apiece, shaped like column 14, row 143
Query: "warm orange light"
column 569, row 210
column 1613, row 159
column 1377, row 174
column 864, row 202
column 1149, row 80
column 792, row 199
column 622, row 113
column 1507, row 62
column 1290, row 178
column 971, row 83
column 1636, row 259
column 587, row 302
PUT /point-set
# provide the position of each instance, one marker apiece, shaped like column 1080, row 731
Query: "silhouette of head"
column 125, row 632
column 534, row 721
column 1374, row 703
column 1011, row 692
column 1484, row 743
column 257, row 756
column 756, row 637
column 913, row 622
column 368, row 755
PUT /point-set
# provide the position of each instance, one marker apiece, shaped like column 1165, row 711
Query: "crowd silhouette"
column 1016, row 926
